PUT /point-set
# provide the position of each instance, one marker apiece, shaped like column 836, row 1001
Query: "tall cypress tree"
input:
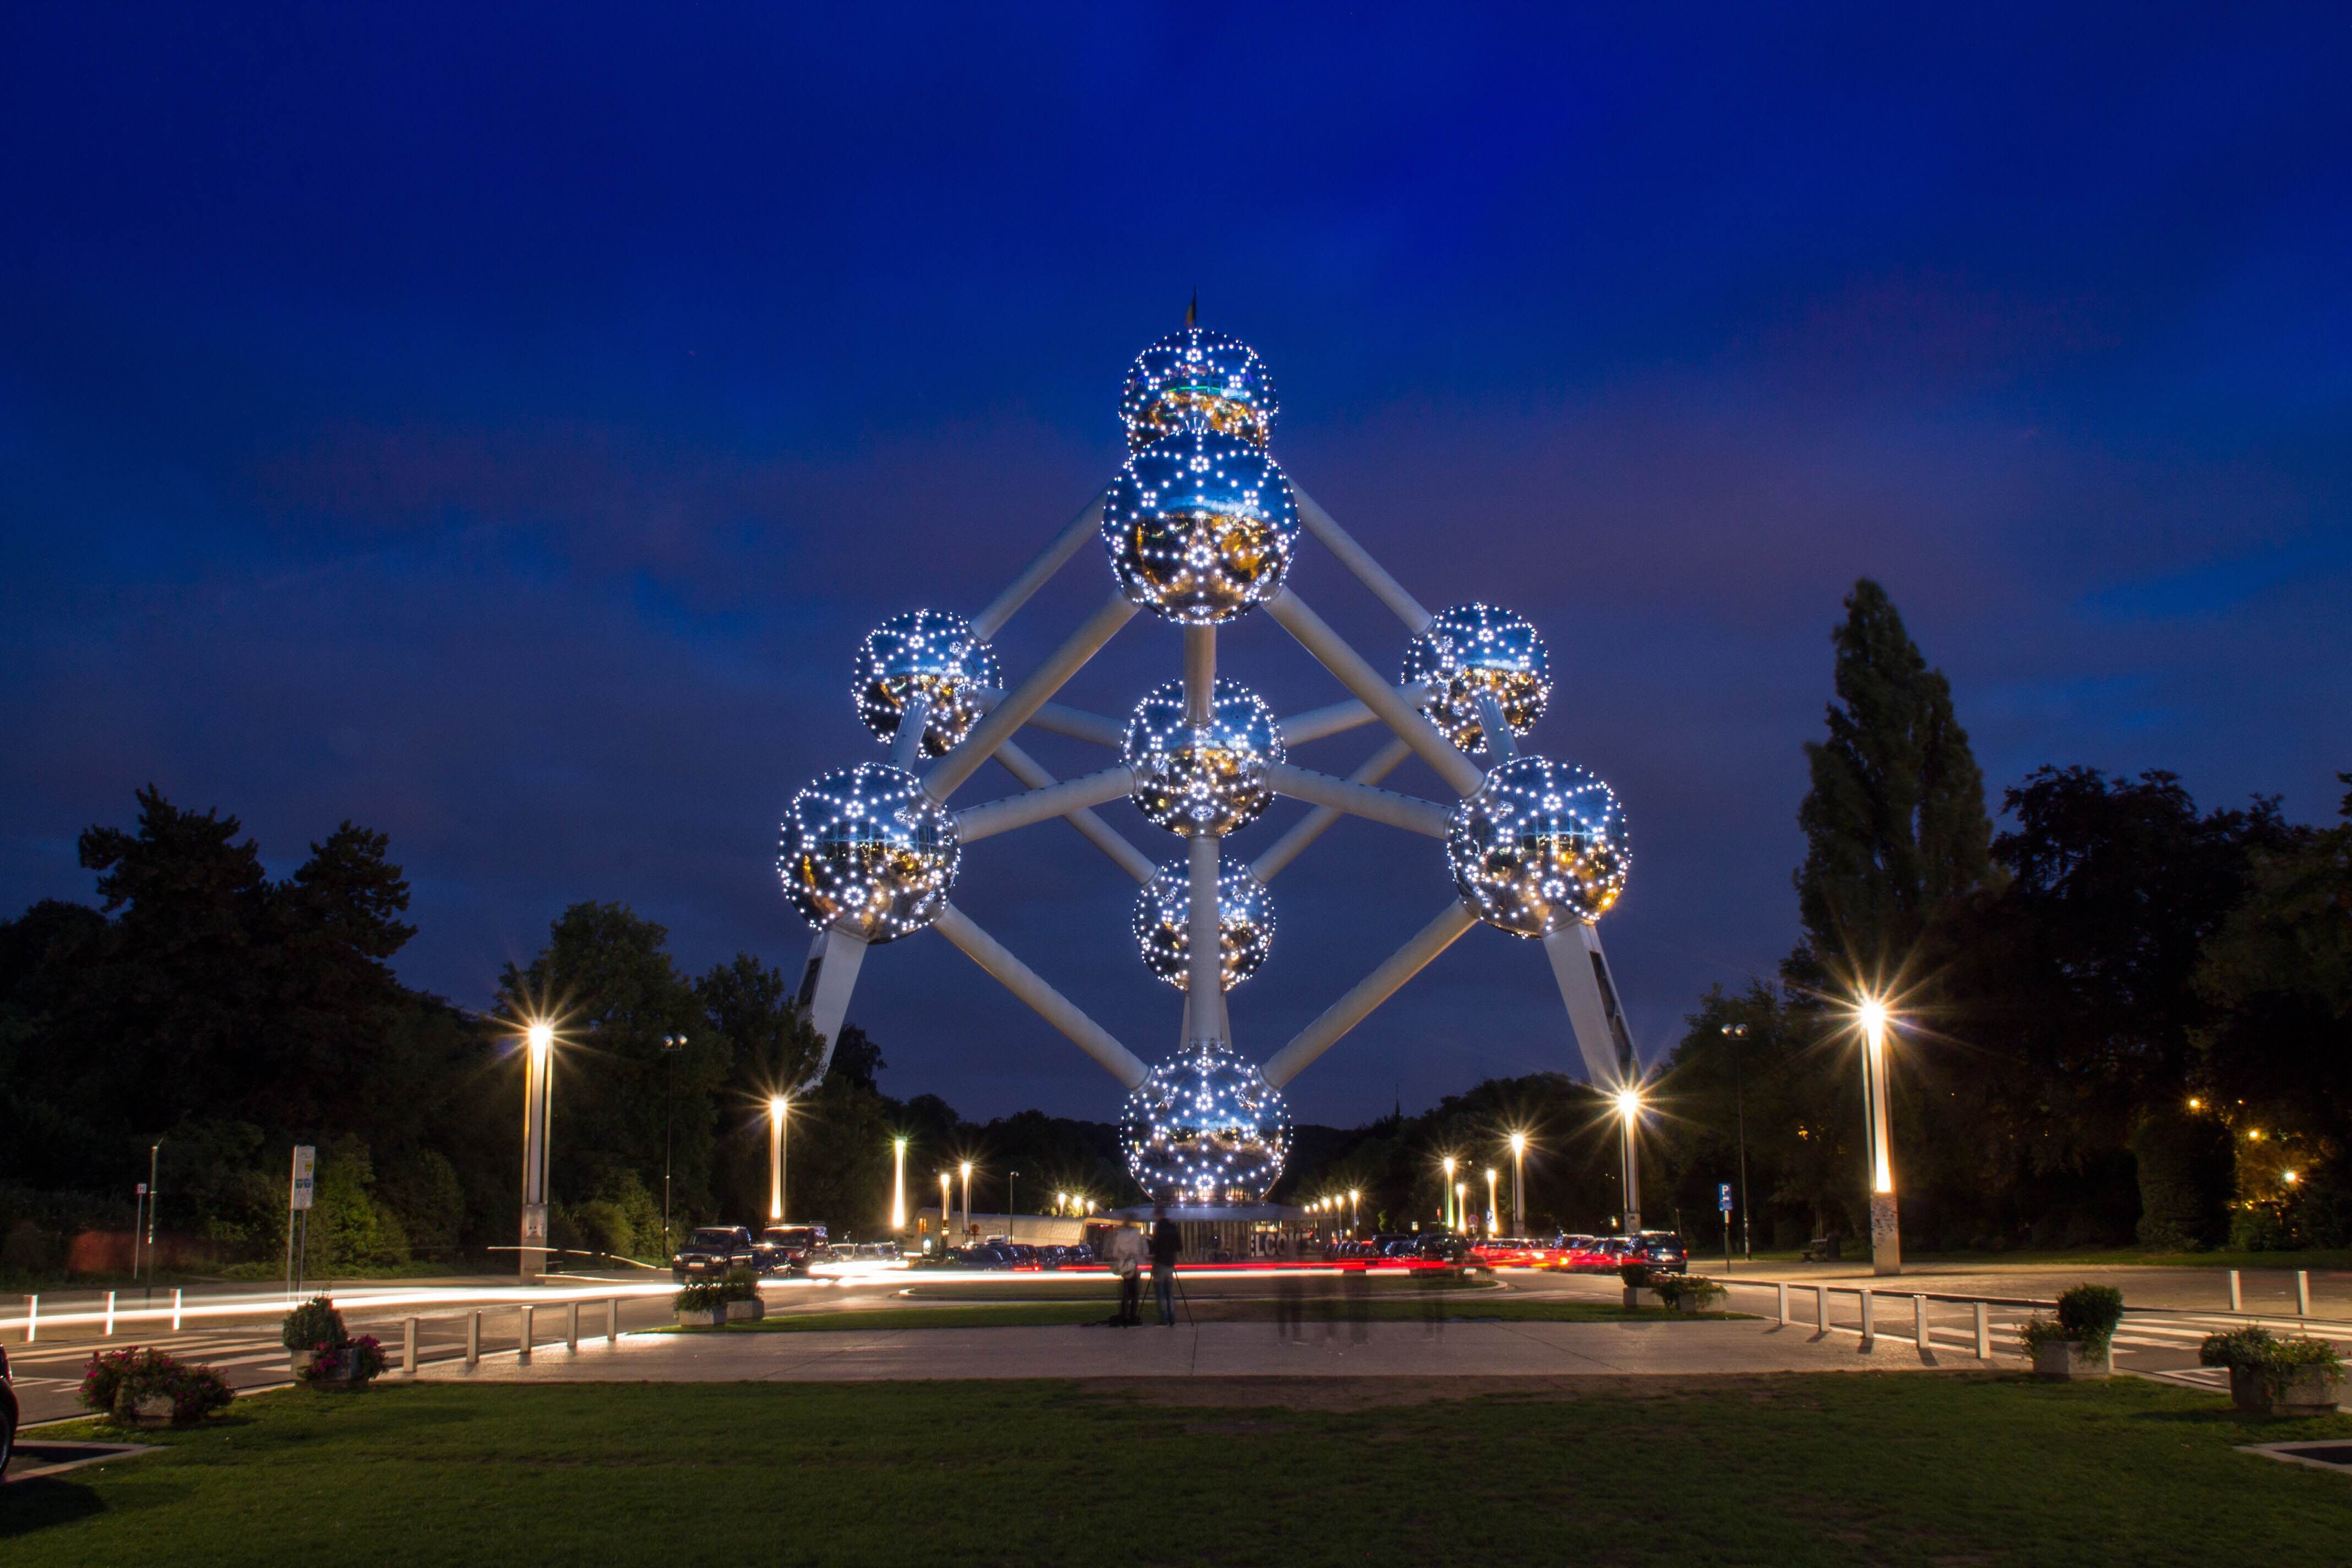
column 1895, row 823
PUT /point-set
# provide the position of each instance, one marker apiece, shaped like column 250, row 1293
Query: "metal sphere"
column 866, row 850
column 1477, row 650
column 1205, row 1128
column 1163, row 930
column 1209, row 779
column 1200, row 527
column 1195, row 379
column 1540, row 843
column 930, row 656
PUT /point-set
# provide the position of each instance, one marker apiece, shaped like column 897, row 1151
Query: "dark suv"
column 712, row 1250
column 1660, row 1250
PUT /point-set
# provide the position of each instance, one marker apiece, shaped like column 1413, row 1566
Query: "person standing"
column 1126, row 1254
column 1166, row 1241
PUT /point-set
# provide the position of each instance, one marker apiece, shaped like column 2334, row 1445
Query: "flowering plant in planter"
column 1689, row 1292
column 352, row 1364
column 2268, row 1374
column 2079, row 1341
column 150, row 1388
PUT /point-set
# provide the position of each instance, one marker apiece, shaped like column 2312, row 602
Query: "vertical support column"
column 539, row 1045
column 1199, row 672
column 408, row 1346
column 1204, row 970
column 526, row 1330
column 1821, row 1307
column 613, row 1320
column 1784, row 1303
column 32, row 1317
column 175, row 1309
column 1869, row 1319
column 2237, row 1294
column 1919, row 1321
column 1885, row 1230
column 571, row 1327
column 473, row 1339
column 110, row 1314
column 2302, row 1292
column 1984, row 1332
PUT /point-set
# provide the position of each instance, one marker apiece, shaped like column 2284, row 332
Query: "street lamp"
column 1009, row 1177
column 777, row 1106
column 1492, row 1221
column 967, row 1201
column 1461, row 1202
column 898, row 1186
column 1628, row 1108
column 1737, row 1035
column 1518, row 1184
column 943, row 1211
column 1886, row 1231
column 539, row 1043
column 671, row 1045
column 1449, row 1223
column 1353, row 1196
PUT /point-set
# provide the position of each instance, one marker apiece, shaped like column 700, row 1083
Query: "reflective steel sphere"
column 1163, row 912
column 1540, row 843
column 1206, row 780
column 1474, row 649
column 1205, row 1128
column 866, row 849
column 1200, row 527
column 1193, row 380
column 926, row 655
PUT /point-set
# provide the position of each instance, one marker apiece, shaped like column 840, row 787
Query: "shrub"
column 701, row 1296
column 1638, row 1276
column 2090, row 1314
column 1696, row 1289
column 114, row 1382
column 739, row 1286
column 357, row 1360
column 2038, row 1330
column 2256, row 1349
column 313, row 1324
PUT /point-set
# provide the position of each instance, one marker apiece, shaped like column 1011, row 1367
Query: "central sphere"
column 866, row 850
column 1205, row 1128
column 1194, row 379
column 1209, row 778
column 1200, row 527
column 1163, row 928
column 927, row 656
column 1540, row 843
column 1472, row 650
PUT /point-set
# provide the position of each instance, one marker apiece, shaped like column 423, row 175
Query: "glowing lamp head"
column 776, row 1107
column 1538, row 846
column 1519, row 1143
column 2289, row 1177
column 1449, row 1167
column 542, row 1036
column 1476, row 650
column 1629, row 1103
column 967, row 1170
column 1872, row 1013
column 1201, row 528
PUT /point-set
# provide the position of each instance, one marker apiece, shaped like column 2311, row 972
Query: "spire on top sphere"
column 1192, row 311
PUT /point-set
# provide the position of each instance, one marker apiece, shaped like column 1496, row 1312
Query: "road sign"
column 305, row 1158
column 143, row 1189
column 1723, row 1197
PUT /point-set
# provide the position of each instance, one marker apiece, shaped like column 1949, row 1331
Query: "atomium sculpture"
column 1200, row 528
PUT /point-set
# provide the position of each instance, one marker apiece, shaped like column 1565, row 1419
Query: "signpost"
column 1722, row 1202
column 138, row 1224
column 297, row 1211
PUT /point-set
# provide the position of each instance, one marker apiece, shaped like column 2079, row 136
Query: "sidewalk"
column 1211, row 1350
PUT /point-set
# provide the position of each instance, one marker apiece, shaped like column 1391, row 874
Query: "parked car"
column 713, row 1249
column 7, row 1413
column 1660, row 1250
column 781, row 1245
column 1508, row 1252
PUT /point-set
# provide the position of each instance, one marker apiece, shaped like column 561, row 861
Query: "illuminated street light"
column 1353, row 1197
column 539, row 1039
column 1493, row 1222
column 1461, row 1202
column 897, row 1185
column 1451, row 1213
column 1629, row 1110
column 777, row 1105
column 1885, row 1230
column 944, row 1179
column 966, row 1232
column 1518, row 1184
column 2289, row 1177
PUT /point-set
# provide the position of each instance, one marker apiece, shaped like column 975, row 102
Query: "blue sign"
column 1723, row 1197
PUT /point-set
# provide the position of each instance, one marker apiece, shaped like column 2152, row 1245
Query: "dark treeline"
column 225, row 1017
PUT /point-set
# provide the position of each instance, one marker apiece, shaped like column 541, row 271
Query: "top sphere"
column 1200, row 527
column 1538, row 844
column 866, row 850
column 1473, row 650
column 1194, row 379
column 930, row 657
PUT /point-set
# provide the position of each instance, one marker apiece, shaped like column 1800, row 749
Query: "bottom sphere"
column 1205, row 1128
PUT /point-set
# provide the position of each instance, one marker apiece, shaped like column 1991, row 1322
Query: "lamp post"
column 944, row 1211
column 966, row 1234
column 1355, row 1221
column 1886, row 1231
column 1449, row 1195
column 671, row 1045
column 1629, row 1107
column 1518, row 1184
column 538, row 1049
column 1494, row 1220
column 1461, row 1202
column 898, row 1186
column 1009, row 1177
column 1738, row 1033
column 778, row 1105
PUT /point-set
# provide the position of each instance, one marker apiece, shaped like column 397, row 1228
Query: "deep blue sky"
column 501, row 433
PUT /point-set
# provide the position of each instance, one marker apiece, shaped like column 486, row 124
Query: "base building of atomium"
column 1200, row 528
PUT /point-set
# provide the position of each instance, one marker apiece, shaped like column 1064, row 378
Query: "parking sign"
column 1723, row 1197
column 305, row 1158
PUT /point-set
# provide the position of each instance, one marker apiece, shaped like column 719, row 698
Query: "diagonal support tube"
column 1050, row 1004
column 1359, row 560
column 827, row 981
column 989, row 621
column 1359, row 800
column 1026, row 697
column 1100, row 834
column 1054, row 718
column 1013, row 811
column 1332, row 652
column 1311, row 827
column 1369, row 993
column 1594, row 1016
column 1501, row 744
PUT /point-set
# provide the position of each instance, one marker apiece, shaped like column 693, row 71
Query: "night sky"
column 501, row 432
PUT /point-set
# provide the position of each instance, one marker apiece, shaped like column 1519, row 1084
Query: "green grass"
column 1035, row 1314
column 1840, row 1469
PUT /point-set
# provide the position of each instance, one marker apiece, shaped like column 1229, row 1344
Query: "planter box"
column 2065, row 1361
column 300, row 1361
column 702, row 1318
column 2313, row 1391
column 750, row 1312
column 153, row 1412
column 1696, row 1304
column 1636, row 1297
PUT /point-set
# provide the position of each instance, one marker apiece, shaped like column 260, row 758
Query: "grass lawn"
column 1033, row 1314
column 1851, row 1467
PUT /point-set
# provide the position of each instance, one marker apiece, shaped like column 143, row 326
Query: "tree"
column 751, row 1005
column 1895, row 823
